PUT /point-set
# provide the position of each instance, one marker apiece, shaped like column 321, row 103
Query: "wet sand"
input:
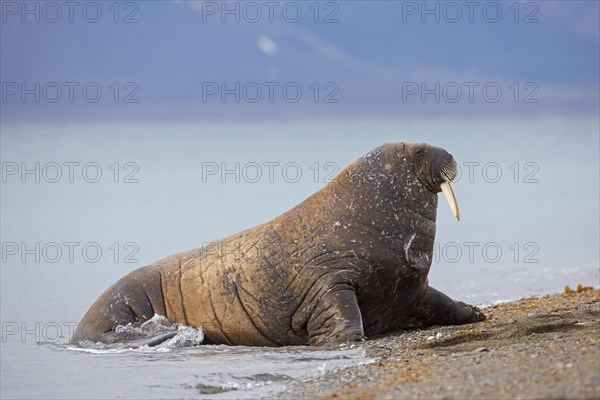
column 536, row 348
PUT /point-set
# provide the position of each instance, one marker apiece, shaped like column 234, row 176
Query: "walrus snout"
column 449, row 169
column 436, row 168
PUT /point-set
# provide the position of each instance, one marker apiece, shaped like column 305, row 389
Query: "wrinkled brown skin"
column 351, row 260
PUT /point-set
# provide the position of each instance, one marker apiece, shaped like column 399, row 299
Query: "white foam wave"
column 141, row 333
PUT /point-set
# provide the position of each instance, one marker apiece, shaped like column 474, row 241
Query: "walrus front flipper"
column 438, row 309
column 336, row 318
column 150, row 340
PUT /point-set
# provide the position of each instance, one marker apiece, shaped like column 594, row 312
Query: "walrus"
column 349, row 262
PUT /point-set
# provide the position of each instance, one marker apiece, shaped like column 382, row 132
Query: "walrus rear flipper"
column 130, row 338
column 134, row 299
column 151, row 341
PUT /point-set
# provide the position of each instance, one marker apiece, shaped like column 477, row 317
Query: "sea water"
column 109, row 198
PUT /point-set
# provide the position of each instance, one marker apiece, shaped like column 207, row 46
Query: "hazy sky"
column 226, row 60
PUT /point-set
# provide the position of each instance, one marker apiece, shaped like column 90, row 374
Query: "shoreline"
column 538, row 347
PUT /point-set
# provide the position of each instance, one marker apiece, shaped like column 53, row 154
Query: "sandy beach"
column 535, row 348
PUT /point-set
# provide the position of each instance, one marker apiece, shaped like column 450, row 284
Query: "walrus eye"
column 419, row 153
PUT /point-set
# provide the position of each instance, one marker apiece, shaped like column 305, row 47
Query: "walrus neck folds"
column 382, row 191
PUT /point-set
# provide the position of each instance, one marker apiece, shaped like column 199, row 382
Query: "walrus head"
column 436, row 169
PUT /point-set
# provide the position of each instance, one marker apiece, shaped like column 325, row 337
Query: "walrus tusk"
column 449, row 194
